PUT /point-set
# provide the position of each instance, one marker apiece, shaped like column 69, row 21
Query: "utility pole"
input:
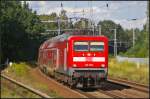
column 83, row 21
column 147, row 24
column 133, row 40
column 133, row 31
column 115, row 42
column 133, row 37
column 83, row 13
column 93, row 29
column 99, row 27
column 115, row 45
column 58, row 20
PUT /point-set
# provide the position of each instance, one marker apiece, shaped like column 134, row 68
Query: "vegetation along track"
column 33, row 91
column 113, row 88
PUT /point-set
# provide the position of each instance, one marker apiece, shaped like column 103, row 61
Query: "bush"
column 129, row 71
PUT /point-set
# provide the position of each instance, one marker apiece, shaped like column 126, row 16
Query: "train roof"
column 65, row 36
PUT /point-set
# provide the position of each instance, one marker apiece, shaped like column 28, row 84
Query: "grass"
column 9, row 90
column 21, row 72
column 19, row 69
column 44, row 88
column 16, row 92
column 125, row 70
column 7, row 93
column 129, row 71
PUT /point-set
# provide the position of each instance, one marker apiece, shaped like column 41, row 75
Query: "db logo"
column 88, row 58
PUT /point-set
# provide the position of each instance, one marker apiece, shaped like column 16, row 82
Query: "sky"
column 121, row 12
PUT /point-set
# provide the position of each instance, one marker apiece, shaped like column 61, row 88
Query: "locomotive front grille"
column 92, row 73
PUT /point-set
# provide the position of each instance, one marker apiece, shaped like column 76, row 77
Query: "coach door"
column 65, row 59
column 56, row 58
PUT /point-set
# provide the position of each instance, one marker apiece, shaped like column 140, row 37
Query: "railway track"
column 19, row 84
column 90, row 93
column 134, row 85
column 118, row 89
column 114, row 88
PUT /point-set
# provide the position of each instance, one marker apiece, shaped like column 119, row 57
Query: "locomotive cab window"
column 96, row 46
column 81, row 46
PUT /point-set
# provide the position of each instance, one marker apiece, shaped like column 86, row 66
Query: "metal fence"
column 135, row 60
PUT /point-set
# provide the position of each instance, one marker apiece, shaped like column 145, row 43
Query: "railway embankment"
column 31, row 76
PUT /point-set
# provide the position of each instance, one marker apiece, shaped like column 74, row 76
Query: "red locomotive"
column 75, row 59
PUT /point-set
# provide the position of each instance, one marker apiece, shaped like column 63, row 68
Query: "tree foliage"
column 54, row 25
column 20, row 28
column 106, row 29
column 141, row 48
column 82, row 23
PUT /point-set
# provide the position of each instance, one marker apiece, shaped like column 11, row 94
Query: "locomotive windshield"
column 89, row 46
column 96, row 46
column 81, row 46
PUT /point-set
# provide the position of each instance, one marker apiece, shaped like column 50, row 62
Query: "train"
column 75, row 59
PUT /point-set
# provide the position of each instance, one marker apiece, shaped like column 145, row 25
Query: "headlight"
column 103, row 65
column 74, row 65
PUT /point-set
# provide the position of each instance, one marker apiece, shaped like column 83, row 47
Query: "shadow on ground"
column 107, row 86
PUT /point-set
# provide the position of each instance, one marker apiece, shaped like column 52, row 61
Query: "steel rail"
column 120, row 82
column 133, row 85
column 37, row 92
column 109, row 94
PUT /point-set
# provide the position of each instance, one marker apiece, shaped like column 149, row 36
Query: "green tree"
column 106, row 27
column 19, row 27
column 141, row 48
column 63, row 16
column 54, row 25
column 82, row 23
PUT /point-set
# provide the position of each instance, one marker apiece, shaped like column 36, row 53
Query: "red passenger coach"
column 75, row 59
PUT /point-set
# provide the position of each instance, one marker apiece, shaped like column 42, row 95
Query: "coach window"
column 81, row 46
column 96, row 46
